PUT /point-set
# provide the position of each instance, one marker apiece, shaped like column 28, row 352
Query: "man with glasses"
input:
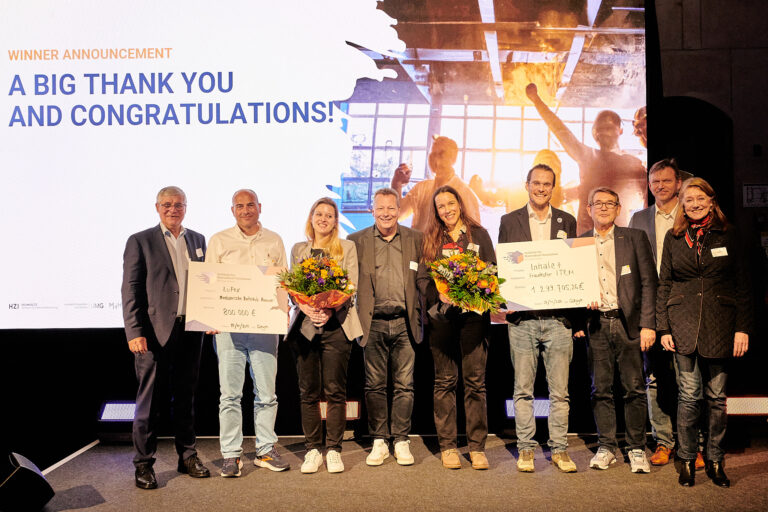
column 620, row 329
column 167, row 359
column 247, row 243
column 545, row 334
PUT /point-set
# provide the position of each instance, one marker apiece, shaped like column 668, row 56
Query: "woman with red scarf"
column 704, row 315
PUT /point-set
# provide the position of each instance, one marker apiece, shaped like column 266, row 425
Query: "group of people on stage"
column 676, row 274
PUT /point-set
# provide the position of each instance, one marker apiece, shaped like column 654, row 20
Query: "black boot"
column 687, row 473
column 715, row 471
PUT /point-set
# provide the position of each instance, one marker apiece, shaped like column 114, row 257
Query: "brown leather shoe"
column 661, row 456
column 699, row 460
column 479, row 460
column 451, row 459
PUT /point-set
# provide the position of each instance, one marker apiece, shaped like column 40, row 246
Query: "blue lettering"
column 17, row 86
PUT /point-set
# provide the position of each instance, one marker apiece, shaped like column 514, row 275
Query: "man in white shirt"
column 542, row 334
column 247, row 243
column 664, row 181
column 167, row 358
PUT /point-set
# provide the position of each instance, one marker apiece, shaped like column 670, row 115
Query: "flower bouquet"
column 318, row 282
column 468, row 282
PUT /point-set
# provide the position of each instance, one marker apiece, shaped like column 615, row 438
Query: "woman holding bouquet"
column 321, row 340
column 457, row 337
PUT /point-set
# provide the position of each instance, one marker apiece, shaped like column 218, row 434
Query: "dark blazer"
column 703, row 304
column 150, row 290
column 426, row 284
column 410, row 241
column 646, row 220
column 347, row 315
column 515, row 227
column 635, row 289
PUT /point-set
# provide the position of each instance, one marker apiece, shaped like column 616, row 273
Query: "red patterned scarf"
column 698, row 229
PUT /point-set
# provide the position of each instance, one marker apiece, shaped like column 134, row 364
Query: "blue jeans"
column 550, row 337
column 701, row 378
column 234, row 351
column 389, row 348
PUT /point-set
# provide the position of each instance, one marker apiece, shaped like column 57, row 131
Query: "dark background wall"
column 53, row 382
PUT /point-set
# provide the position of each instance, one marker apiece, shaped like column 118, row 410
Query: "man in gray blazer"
column 544, row 334
column 167, row 359
column 664, row 181
column 620, row 330
column 389, row 309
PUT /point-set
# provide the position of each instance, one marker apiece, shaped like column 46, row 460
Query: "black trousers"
column 167, row 377
column 321, row 365
column 458, row 340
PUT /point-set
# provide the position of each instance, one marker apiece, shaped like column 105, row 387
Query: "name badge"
column 719, row 251
column 473, row 247
column 413, row 265
column 199, row 252
column 561, row 234
column 625, row 270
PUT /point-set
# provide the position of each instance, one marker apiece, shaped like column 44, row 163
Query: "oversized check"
column 550, row 274
column 235, row 298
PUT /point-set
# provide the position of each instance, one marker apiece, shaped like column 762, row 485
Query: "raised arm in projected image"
column 605, row 166
column 418, row 200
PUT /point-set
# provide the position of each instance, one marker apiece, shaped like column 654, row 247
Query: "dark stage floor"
column 101, row 479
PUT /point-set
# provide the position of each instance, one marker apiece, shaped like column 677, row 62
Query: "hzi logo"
column 13, row 306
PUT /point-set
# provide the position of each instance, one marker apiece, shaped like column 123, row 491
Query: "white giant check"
column 235, row 298
column 551, row 274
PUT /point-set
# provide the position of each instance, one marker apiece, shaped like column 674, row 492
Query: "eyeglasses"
column 609, row 205
column 175, row 206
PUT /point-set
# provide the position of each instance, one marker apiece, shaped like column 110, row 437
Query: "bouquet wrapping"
column 468, row 282
column 318, row 281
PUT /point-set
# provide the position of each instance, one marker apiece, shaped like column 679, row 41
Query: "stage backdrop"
column 106, row 102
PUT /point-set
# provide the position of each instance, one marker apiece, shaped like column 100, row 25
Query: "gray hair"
column 604, row 190
column 245, row 190
column 170, row 191
column 387, row 191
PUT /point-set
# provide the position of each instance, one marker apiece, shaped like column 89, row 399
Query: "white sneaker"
column 379, row 453
column 403, row 453
column 333, row 462
column 312, row 461
column 602, row 459
column 638, row 462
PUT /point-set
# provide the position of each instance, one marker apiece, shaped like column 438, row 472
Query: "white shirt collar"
column 533, row 214
column 607, row 236
column 672, row 214
column 167, row 232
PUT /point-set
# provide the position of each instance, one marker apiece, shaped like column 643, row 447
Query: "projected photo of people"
column 519, row 83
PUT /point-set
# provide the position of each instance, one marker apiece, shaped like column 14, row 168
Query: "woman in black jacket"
column 703, row 314
column 457, row 339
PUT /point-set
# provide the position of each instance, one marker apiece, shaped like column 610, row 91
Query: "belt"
column 611, row 313
column 542, row 313
column 388, row 316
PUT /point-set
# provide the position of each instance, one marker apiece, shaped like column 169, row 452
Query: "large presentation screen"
column 105, row 102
